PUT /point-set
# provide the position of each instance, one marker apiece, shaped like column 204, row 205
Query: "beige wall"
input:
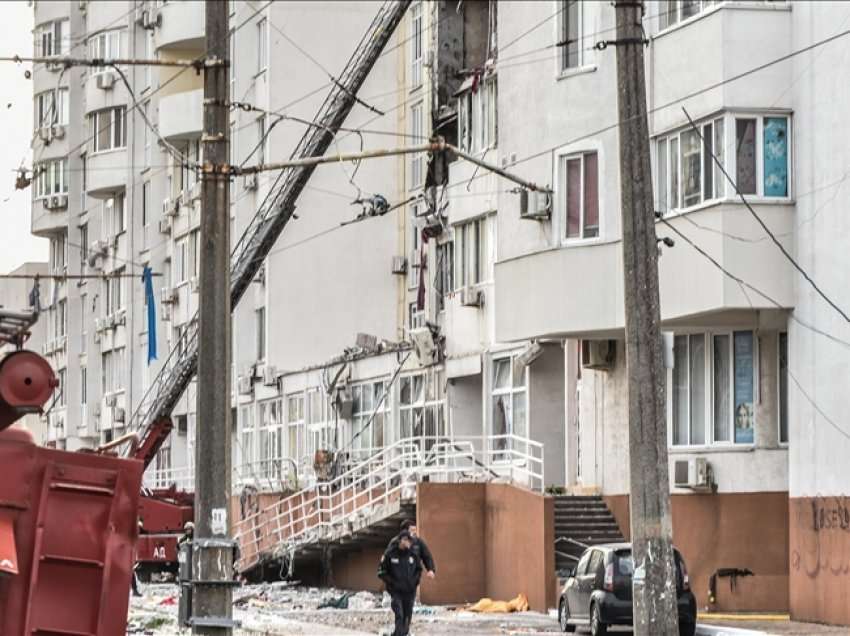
column 491, row 540
column 742, row 530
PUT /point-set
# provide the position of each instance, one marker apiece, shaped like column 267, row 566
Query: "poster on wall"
column 744, row 355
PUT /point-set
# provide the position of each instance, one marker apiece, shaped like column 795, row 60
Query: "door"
column 587, row 581
column 574, row 594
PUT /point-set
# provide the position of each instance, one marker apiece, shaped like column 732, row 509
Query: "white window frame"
column 296, row 426
column 509, row 392
column 246, row 425
column 320, row 423
column 104, row 45
column 262, row 45
column 722, row 190
column 414, row 246
column 96, row 126
column 361, row 414
column 562, row 208
column 431, row 399
column 417, row 160
column 478, row 116
column 58, row 33
column 417, row 48
column 563, row 8
column 708, row 420
column 270, row 427
column 51, row 178
column 471, row 248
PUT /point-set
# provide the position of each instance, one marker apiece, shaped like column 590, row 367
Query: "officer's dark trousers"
column 402, row 605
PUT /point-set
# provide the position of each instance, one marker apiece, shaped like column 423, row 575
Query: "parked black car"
column 598, row 591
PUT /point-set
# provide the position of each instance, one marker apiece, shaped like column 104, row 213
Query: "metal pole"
column 654, row 580
column 212, row 556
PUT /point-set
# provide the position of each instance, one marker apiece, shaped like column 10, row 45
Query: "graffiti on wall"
column 821, row 537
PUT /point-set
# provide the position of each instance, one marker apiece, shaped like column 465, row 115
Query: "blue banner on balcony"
column 147, row 279
column 776, row 156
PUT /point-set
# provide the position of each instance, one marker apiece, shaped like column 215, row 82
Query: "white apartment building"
column 739, row 428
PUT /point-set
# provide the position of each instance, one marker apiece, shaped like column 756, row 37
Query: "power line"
column 815, row 406
column 73, row 276
column 763, row 225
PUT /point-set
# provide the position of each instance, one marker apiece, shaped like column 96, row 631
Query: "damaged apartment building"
column 449, row 344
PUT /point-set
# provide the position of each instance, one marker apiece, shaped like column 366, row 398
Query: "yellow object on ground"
column 489, row 606
column 743, row 617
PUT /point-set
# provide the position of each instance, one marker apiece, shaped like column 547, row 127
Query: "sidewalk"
column 759, row 625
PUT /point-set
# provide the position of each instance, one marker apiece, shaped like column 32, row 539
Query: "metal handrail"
column 323, row 510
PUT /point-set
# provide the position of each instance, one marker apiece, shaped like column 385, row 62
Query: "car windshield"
column 625, row 563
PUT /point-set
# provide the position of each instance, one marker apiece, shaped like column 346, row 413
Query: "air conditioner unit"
column 528, row 355
column 166, row 313
column 471, row 297
column 194, row 283
column 168, row 295
column 164, row 225
column 694, row 473
column 98, row 325
column 244, row 385
column 169, row 207
column 598, row 354
column 56, row 202
column 249, row 182
column 423, row 343
column 105, row 80
column 58, row 131
column 344, row 403
column 110, row 321
column 83, row 5
column 118, row 414
column 151, row 19
column 110, row 400
column 535, row 205
column 44, row 134
column 98, row 247
column 269, row 375
column 399, row 265
column 121, row 317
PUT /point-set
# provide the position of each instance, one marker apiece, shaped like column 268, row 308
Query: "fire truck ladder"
column 152, row 417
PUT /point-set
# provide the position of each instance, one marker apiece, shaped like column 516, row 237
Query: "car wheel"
column 687, row 628
column 597, row 627
column 563, row 617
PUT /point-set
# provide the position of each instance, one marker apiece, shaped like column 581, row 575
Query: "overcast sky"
column 17, row 245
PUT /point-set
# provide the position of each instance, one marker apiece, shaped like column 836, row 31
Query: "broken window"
column 370, row 412
column 444, row 283
column 421, row 408
column 477, row 114
column 319, row 422
column 509, row 400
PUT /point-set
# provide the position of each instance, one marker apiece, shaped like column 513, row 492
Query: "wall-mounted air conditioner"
column 399, row 265
column 56, row 202
column 249, row 182
column 58, row 131
column 168, row 295
column 598, row 354
column 118, row 414
column 110, row 400
column 535, row 205
column 245, row 385
column 693, row 473
column 169, row 207
column 105, row 80
column 165, row 225
column 269, row 375
column 471, row 297
column 423, row 343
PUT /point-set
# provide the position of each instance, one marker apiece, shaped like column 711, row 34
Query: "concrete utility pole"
column 212, row 562
column 655, row 611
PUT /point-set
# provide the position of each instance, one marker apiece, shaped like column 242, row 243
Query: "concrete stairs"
column 581, row 520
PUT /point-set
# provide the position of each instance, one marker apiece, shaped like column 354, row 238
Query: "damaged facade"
column 476, row 312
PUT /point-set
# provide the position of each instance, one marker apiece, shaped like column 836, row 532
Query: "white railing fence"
column 375, row 487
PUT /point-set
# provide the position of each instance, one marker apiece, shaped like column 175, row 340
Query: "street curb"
column 720, row 630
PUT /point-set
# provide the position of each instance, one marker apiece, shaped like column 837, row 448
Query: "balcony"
column 714, row 46
column 577, row 291
column 49, row 215
column 106, row 173
column 181, row 26
column 181, row 115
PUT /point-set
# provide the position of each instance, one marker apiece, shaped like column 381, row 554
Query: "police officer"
column 419, row 547
column 400, row 570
